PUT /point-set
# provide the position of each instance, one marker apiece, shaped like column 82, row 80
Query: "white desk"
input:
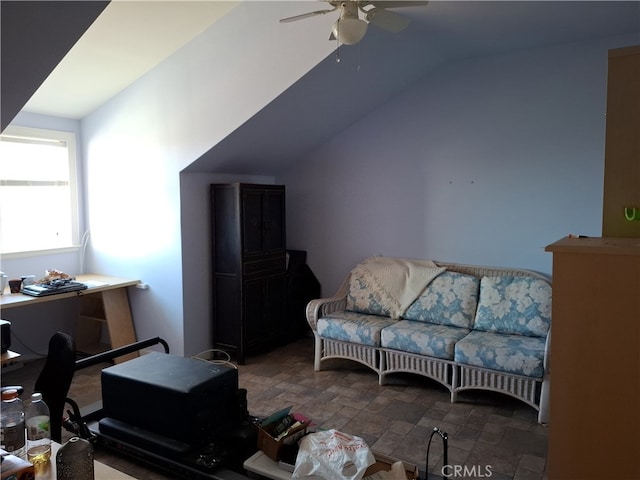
column 262, row 465
column 106, row 300
column 9, row 358
column 47, row 471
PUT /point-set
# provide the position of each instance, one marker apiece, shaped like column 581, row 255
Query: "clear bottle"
column 12, row 432
column 38, row 430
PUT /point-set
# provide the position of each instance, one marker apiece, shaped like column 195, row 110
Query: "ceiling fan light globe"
column 349, row 30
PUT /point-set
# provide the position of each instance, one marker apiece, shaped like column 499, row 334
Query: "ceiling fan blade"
column 386, row 20
column 307, row 15
column 397, row 4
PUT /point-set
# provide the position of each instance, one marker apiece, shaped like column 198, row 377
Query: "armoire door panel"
column 253, row 293
column 252, row 222
column 274, row 221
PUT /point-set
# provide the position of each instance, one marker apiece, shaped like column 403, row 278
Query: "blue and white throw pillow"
column 450, row 299
column 514, row 305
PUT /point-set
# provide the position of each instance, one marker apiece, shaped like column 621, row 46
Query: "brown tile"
column 405, row 411
column 400, row 427
column 500, row 460
column 524, row 442
column 491, row 438
column 387, row 442
column 368, row 424
column 533, row 463
column 525, row 474
column 397, row 419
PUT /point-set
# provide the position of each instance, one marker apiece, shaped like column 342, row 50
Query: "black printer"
column 183, row 414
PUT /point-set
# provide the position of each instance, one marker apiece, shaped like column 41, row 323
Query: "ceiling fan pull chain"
column 338, row 44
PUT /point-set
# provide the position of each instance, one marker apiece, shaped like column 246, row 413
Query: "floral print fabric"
column 450, row 299
column 517, row 354
column 423, row 338
column 498, row 323
column 362, row 299
column 514, row 305
column 353, row 327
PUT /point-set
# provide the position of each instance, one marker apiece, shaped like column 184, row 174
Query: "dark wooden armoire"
column 249, row 264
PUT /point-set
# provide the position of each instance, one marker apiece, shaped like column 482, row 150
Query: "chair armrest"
column 323, row 306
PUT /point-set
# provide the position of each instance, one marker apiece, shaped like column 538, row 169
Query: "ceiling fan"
column 350, row 28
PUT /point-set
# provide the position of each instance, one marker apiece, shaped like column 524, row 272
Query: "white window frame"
column 41, row 134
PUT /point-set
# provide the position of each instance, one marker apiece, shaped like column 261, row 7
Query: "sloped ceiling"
column 35, row 36
column 127, row 40
column 334, row 95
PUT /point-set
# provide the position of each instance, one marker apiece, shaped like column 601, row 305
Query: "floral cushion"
column 364, row 300
column 450, row 299
column 423, row 338
column 353, row 327
column 514, row 305
column 516, row 354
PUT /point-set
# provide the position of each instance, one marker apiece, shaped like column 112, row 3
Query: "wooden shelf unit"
column 594, row 423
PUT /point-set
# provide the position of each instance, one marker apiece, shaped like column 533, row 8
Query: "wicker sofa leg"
column 543, row 412
column 382, row 365
column 318, row 352
column 454, row 383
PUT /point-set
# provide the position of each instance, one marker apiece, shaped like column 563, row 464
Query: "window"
column 38, row 191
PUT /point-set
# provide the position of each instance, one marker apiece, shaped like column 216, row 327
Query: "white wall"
column 33, row 326
column 137, row 144
column 197, row 287
column 484, row 161
column 527, row 129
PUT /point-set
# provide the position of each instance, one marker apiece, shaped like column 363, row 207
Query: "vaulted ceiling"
column 36, row 36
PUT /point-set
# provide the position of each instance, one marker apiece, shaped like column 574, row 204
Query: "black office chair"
column 55, row 379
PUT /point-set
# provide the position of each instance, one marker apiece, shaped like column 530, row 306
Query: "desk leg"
column 119, row 321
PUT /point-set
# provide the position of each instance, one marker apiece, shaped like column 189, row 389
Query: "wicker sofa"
column 471, row 327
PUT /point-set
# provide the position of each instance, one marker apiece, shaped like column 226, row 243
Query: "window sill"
column 39, row 253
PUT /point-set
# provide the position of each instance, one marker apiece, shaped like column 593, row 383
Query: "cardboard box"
column 271, row 445
column 384, row 462
column 15, row 468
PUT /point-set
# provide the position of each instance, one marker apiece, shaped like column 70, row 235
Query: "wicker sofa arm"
column 323, row 306
column 547, row 354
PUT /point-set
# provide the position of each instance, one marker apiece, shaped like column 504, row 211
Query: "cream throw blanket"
column 397, row 281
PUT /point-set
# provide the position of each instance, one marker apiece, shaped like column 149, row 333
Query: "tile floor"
column 490, row 435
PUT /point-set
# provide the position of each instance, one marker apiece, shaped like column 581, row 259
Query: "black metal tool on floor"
column 445, row 448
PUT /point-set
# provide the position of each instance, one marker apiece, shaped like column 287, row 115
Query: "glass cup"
column 14, row 285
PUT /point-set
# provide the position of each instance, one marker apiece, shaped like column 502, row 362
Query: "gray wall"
column 195, row 221
column 137, row 144
column 484, row 161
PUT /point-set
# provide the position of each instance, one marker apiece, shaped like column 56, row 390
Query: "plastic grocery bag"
column 332, row 455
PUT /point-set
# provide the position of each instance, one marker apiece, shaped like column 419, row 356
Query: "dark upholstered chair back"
column 55, row 379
